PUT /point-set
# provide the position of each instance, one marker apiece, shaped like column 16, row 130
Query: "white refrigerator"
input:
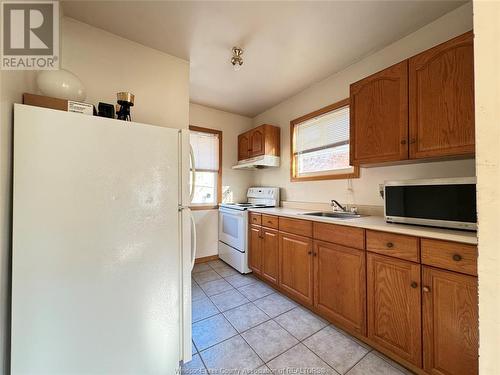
column 101, row 253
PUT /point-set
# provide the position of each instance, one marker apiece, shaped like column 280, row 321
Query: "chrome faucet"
column 337, row 207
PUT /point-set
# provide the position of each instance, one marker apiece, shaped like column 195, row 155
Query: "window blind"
column 206, row 151
column 325, row 131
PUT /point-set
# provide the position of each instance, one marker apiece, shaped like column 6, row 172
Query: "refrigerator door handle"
column 193, row 238
column 193, row 173
column 193, row 233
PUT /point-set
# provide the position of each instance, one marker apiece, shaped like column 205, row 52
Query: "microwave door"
column 450, row 205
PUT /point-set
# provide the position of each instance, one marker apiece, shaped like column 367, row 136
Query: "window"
column 207, row 151
column 320, row 145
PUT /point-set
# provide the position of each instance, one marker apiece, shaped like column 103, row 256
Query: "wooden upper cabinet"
column 243, row 146
column 255, row 248
column 257, row 142
column 262, row 140
column 420, row 108
column 394, row 305
column 296, row 267
column 450, row 323
column 441, row 96
column 270, row 255
column 379, row 117
column 340, row 285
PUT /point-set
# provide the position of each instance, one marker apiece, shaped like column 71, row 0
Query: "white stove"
column 257, row 197
column 233, row 225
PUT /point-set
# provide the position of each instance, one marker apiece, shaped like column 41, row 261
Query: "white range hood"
column 258, row 162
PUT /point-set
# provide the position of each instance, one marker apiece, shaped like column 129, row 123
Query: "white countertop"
column 377, row 223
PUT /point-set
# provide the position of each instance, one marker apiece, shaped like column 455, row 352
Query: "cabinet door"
column 339, row 280
column 270, row 255
column 450, row 318
column 243, row 146
column 257, row 144
column 442, row 99
column 394, row 305
column 379, row 116
column 255, row 248
column 296, row 266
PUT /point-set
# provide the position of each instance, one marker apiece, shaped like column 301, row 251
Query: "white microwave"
column 441, row 202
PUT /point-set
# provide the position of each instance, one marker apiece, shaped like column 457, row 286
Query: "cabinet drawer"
column 395, row 245
column 450, row 255
column 270, row 221
column 295, row 226
column 340, row 234
column 255, row 218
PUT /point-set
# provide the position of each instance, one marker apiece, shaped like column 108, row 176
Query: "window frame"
column 200, row 207
column 293, row 164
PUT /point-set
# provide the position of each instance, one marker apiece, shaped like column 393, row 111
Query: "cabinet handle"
column 403, row 141
column 414, row 284
column 390, row 245
column 309, row 252
column 314, row 254
column 426, row 289
column 413, row 140
column 457, row 257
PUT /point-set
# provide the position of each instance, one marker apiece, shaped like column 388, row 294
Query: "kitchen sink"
column 334, row 215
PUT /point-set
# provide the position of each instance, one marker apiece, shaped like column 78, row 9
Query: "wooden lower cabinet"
column 394, row 306
column 340, row 285
column 296, row 267
column 255, row 249
column 423, row 316
column 270, row 255
column 450, row 322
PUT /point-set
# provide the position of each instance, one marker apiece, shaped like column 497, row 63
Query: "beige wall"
column 335, row 88
column 487, row 96
column 237, row 181
column 107, row 64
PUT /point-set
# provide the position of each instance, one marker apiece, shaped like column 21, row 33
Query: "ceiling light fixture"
column 237, row 60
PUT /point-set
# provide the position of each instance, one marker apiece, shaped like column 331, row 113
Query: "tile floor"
column 243, row 326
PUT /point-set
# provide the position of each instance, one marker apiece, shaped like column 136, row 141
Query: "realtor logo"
column 30, row 35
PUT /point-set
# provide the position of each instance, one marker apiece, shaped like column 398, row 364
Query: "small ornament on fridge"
column 106, row 110
column 125, row 100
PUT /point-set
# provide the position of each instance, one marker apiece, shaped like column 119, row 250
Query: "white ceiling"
column 287, row 45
